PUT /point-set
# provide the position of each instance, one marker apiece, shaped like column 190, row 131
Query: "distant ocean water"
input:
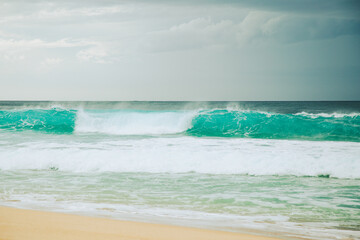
column 287, row 167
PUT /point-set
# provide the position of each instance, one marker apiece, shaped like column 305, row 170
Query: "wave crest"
column 250, row 124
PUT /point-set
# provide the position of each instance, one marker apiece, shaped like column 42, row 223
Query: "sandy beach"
column 30, row 224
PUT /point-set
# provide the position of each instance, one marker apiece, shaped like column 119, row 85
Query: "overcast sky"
column 180, row 50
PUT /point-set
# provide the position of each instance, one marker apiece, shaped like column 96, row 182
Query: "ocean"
column 288, row 168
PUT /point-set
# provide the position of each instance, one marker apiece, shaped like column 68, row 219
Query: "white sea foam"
column 187, row 154
column 328, row 115
column 134, row 123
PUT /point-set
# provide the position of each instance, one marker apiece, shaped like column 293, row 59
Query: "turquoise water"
column 292, row 168
column 200, row 123
column 46, row 120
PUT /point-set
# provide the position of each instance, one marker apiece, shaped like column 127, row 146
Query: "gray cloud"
column 258, row 27
column 180, row 50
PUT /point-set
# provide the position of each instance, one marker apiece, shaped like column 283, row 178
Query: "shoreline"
column 33, row 224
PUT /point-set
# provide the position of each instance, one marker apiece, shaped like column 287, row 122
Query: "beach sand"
column 30, row 224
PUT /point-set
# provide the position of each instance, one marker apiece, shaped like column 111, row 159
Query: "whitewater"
column 291, row 168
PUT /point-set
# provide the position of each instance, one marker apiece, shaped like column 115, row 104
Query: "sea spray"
column 138, row 122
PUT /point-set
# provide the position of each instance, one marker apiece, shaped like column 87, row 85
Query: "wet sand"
column 37, row 225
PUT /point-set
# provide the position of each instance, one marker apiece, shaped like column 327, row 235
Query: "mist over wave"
column 133, row 122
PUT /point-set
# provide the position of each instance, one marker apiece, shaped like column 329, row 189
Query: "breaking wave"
column 200, row 123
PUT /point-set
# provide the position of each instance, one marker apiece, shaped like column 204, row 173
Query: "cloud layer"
column 157, row 44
